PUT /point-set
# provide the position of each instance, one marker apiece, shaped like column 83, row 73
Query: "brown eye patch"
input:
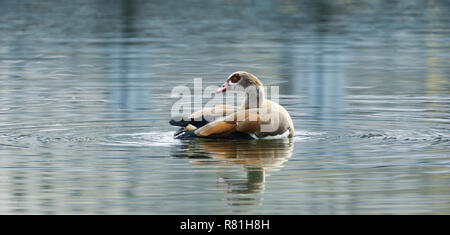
column 235, row 78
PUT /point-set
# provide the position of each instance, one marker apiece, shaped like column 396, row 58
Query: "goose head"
column 248, row 83
column 240, row 81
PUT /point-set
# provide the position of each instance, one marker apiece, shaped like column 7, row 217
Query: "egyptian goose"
column 256, row 118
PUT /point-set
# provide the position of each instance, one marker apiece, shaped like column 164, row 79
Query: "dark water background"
column 85, row 99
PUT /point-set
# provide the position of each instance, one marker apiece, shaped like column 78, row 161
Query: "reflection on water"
column 255, row 157
column 85, row 101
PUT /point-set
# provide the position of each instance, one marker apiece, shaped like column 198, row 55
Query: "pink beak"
column 223, row 88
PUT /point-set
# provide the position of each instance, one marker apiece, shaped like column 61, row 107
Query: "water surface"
column 85, row 103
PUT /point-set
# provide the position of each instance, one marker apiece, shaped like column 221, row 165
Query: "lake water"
column 85, row 101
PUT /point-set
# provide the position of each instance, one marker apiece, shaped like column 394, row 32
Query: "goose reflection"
column 241, row 166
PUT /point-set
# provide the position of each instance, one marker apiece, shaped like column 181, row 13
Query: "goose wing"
column 243, row 121
column 204, row 116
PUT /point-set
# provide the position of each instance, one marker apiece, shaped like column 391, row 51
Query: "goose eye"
column 235, row 78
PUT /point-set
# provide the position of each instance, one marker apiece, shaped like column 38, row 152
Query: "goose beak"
column 223, row 88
